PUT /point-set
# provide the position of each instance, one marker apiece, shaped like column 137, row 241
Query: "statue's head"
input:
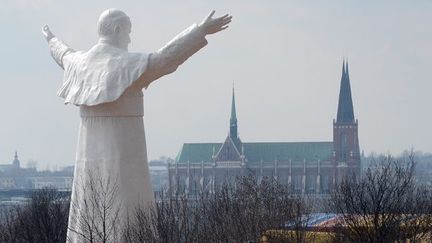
column 114, row 27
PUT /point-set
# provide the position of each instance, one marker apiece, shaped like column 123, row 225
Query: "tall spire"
column 343, row 68
column 345, row 113
column 233, row 118
column 346, row 68
column 233, row 108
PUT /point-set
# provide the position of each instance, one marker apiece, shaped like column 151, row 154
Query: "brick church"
column 308, row 167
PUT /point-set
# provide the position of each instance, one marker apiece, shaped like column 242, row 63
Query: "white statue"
column 106, row 83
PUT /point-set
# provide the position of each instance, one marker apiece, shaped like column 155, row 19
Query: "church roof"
column 284, row 151
column 229, row 151
column 197, row 152
column 255, row 152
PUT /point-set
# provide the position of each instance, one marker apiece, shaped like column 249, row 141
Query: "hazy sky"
column 284, row 57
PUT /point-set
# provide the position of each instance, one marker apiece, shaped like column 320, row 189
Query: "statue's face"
column 123, row 34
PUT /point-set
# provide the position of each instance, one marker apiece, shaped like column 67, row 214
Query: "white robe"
column 107, row 84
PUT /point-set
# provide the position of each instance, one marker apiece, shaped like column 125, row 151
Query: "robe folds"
column 106, row 83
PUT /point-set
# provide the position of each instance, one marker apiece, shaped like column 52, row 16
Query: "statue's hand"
column 210, row 26
column 47, row 33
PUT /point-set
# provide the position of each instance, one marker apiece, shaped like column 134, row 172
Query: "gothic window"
column 297, row 183
column 194, row 185
column 326, row 183
column 310, row 183
column 206, row 183
column 181, row 183
column 344, row 146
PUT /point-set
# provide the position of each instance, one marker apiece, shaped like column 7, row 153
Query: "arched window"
column 344, row 145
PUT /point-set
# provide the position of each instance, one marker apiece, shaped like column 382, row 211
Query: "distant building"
column 15, row 165
column 159, row 175
column 61, row 180
column 308, row 167
column 13, row 176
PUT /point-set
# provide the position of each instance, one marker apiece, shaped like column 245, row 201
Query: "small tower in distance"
column 345, row 127
column 16, row 162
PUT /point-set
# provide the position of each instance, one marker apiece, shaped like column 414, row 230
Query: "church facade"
column 307, row 167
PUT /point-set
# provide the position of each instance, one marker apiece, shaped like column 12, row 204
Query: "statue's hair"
column 109, row 19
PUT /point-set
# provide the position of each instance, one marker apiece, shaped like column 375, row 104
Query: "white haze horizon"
column 284, row 58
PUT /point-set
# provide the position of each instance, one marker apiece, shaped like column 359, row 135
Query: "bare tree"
column 383, row 205
column 43, row 219
column 238, row 212
column 244, row 211
column 97, row 211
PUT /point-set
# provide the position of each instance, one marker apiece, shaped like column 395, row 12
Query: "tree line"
column 382, row 205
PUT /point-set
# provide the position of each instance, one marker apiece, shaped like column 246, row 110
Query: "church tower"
column 233, row 134
column 345, row 128
column 16, row 162
column 231, row 149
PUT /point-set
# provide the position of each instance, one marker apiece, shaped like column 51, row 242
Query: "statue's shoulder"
column 111, row 51
column 105, row 54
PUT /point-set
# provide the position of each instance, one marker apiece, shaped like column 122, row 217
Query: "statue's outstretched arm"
column 167, row 59
column 57, row 47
